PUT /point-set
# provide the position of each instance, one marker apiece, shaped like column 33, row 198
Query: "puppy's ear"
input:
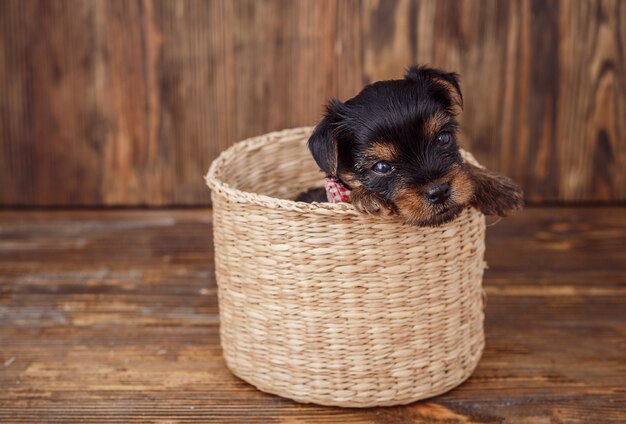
column 448, row 80
column 322, row 143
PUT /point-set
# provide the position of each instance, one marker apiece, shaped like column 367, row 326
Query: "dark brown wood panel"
column 194, row 103
column 544, row 84
column 127, row 102
column 113, row 316
column 49, row 113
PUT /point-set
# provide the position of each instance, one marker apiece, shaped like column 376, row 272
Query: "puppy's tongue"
column 336, row 192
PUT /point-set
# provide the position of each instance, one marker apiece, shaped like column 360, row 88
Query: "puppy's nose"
column 438, row 193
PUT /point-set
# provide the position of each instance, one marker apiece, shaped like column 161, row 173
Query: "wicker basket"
column 319, row 303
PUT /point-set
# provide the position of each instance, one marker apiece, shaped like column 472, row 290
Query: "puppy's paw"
column 496, row 194
column 370, row 203
column 504, row 197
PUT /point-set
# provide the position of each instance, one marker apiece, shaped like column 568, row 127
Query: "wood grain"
column 113, row 316
column 48, row 115
column 127, row 102
column 543, row 82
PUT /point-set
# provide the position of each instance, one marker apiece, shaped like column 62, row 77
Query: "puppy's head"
column 394, row 145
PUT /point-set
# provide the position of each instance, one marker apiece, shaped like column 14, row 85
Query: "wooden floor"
column 112, row 316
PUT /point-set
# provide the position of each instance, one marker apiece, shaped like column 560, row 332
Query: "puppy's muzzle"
column 438, row 192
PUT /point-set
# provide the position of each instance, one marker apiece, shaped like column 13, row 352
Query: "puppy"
column 394, row 146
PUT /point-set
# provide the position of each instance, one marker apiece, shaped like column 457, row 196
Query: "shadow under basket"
column 321, row 304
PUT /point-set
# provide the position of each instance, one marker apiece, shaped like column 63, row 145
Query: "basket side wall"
column 344, row 310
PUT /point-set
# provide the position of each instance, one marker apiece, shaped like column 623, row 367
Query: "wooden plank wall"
column 119, row 102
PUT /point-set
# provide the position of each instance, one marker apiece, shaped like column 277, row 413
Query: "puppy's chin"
column 429, row 215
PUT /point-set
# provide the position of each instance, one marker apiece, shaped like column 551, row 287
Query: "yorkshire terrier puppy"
column 394, row 146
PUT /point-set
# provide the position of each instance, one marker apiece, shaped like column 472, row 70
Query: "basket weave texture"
column 321, row 304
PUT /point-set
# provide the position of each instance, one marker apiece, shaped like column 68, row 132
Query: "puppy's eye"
column 444, row 137
column 382, row 167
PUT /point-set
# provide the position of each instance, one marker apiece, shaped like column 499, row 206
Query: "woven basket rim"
column 253, row 143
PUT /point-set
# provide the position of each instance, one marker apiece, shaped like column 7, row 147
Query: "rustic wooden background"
column 127, row 102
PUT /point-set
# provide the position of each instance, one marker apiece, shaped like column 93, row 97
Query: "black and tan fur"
column 409, row 127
